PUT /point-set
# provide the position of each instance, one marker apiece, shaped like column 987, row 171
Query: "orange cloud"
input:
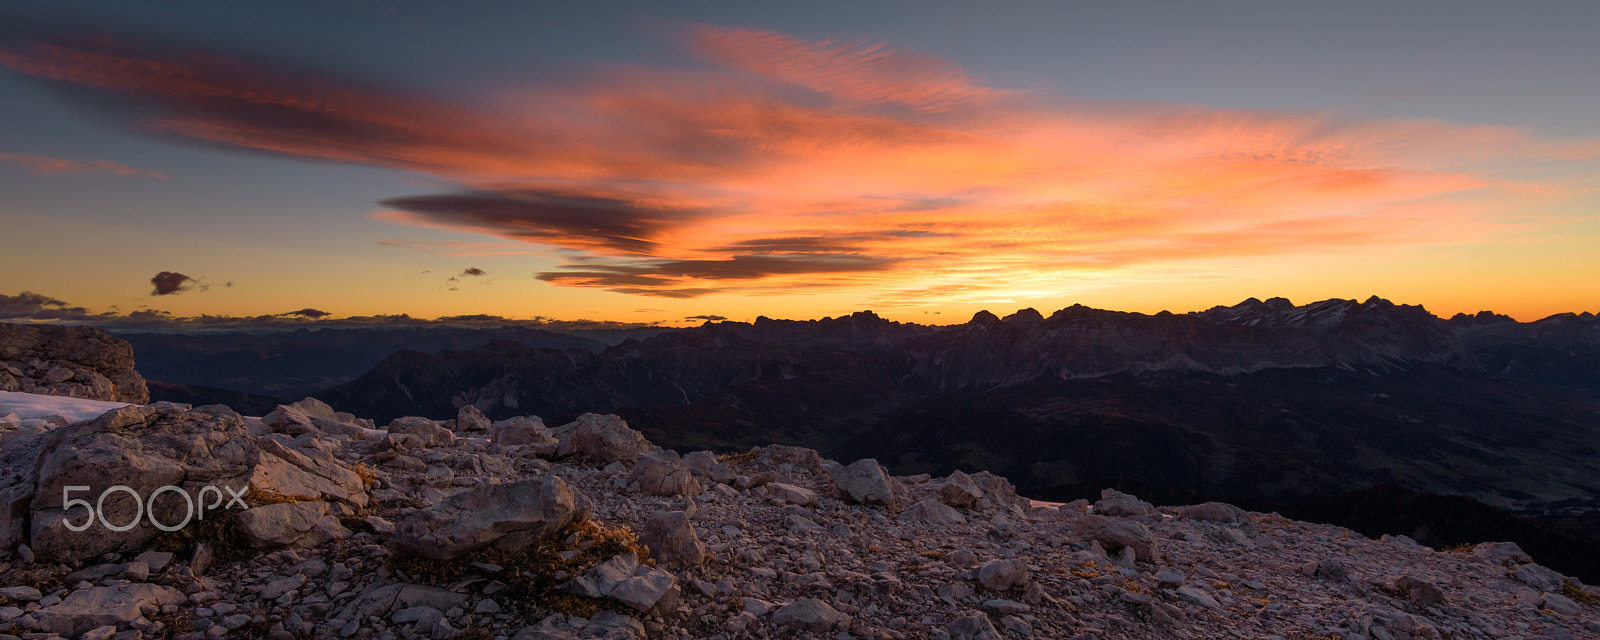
column 800, row 166
column 44, row 165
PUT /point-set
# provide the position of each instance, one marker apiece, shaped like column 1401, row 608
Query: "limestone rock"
column 661, row 473
column 1117, row 503
column 672, row 540
column 1505, row 553
column 866, row 482
column 80, row 362
column 290, row 524
column 432, row 433
column 933, row 512
column 94, row 607
column 1115, row 533
column 299, row 418
column 1539, row 577
column 706, row 465
column 520, row 431
column 144, row 449
column 1213, row 512
column 791, row 494
column 529, row 508
column 305, row 474
column 1001, row 575
column 998, row 491
column 973, row 627
column 471, row 419
column 959, row 490
column 810, row 614
column 602, row 439
column 623, row 579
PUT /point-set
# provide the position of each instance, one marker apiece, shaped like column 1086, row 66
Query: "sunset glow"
column 754, row 171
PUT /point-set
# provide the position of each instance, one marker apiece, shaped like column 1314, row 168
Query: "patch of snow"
column 33, row 406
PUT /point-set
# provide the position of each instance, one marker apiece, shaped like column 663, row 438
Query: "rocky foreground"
column 510, row 529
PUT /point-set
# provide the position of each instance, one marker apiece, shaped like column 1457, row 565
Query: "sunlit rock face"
column 81, row 362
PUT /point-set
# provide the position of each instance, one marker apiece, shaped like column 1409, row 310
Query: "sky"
column 672, row 162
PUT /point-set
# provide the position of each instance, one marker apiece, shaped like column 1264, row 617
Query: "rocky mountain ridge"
column 472, row 528
column 1260, row 401
column 294, row 364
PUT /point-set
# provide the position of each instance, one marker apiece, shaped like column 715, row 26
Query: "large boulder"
column 380, row 599
column 867, row 482
column 299, row 525
column 1117, row 503
column 999, row 492
column 142, row 449
column 706, row 465
column 313, row 416
column 207, row 454
column 603, row 439
column 81, row 362
column 510, row 515
column 624, row 580
column 470, row 418
column 521, row 431
column 117, row 605
column 959, row 490
column 1539, row 577
column 933, row 512
column 1001, row 575
column 429, row 433
column 1213, row 512
column 671, row 539
column 1115, row 533
column 304, row 473
column 811, row 615
column 661, row 473
column 19, row 480
column 1502, row 553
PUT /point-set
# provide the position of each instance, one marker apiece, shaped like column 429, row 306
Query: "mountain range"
column 289, row 365
column 1263, row 400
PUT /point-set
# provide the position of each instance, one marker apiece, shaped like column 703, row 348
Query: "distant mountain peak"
column 1029, row 315
column 984, row 318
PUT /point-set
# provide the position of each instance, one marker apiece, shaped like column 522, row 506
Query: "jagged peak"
column 1482, row 318
column 984, row 318
column 1029, row 315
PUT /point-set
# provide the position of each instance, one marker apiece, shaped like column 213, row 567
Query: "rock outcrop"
column 81, row 362
column 353, row 532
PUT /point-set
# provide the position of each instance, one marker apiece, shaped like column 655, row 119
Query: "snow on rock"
column 15, row 407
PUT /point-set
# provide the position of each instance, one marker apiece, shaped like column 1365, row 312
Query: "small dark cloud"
column 666, row 278
column 169, row 283
column 708, row 318
column 228, row 284
column 666, row 293
column 800, row 244
column 473, row 272
column 32, row 306
column 573, row 221
column 150, row 315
